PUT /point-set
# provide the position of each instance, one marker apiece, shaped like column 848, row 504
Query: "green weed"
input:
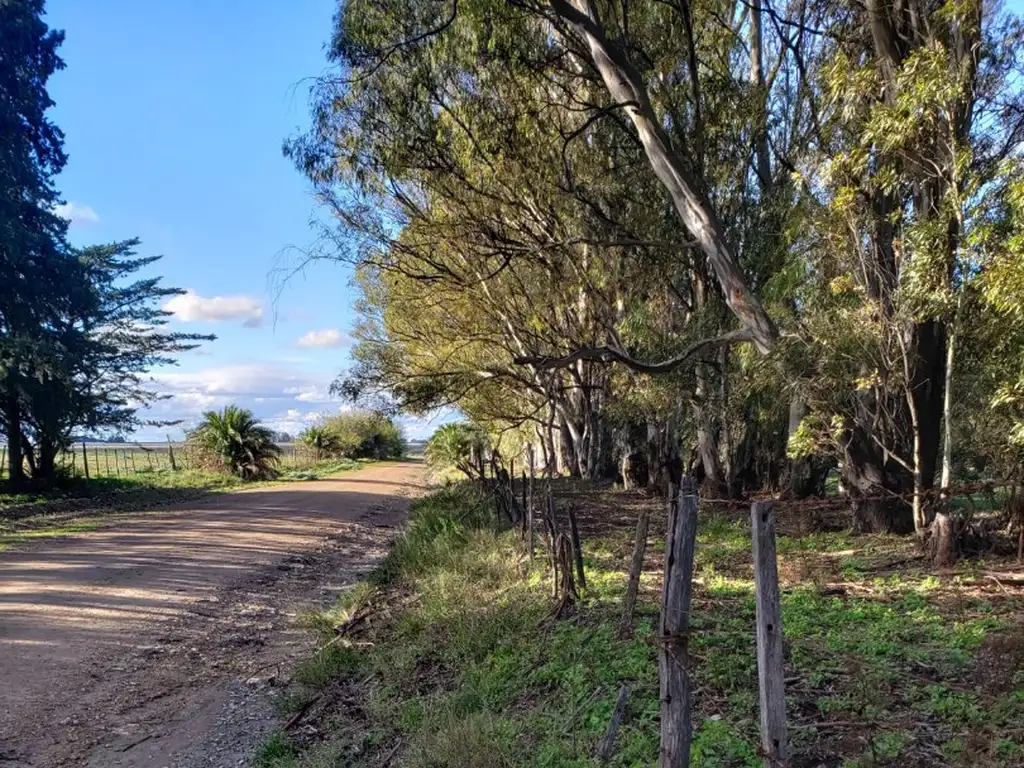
column 472, row 670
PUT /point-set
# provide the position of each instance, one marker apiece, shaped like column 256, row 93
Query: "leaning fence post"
column 577, row 546
column 635, row 571
column 770, row 673
column 529, row 503
column 673, row 628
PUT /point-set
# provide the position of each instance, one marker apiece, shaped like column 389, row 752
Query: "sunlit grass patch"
column 467, row 659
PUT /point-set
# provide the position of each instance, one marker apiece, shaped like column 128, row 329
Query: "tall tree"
column 112, row 334
column 37, row 274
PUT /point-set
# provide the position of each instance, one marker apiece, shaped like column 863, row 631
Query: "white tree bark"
column 947, row 401
column 626, row 87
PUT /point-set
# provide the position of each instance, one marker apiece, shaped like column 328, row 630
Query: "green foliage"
column 472, row 665
column 275, row 751
column 455, row 445
column 234, row 439
column 78, row 328
column 717, row 745
column 320, row 439
column 361, row 435
column 325, row 665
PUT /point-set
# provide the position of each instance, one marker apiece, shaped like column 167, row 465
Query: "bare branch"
column 606, row 354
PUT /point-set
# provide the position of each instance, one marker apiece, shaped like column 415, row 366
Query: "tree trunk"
column 46, row 470
column 626, row 86
column 871, row 473
column 15, row 457
column 551, row 463
column 762, row 160
column 636, row 569
column 663, row 462
column 30, row 456
column 567, row 458
column 947, row 401
column 874, row 483
column 941, row 540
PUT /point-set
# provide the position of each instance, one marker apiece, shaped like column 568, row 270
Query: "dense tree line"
column 78, row 327
column 752, row 241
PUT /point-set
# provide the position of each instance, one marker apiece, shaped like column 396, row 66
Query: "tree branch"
column 606, row 354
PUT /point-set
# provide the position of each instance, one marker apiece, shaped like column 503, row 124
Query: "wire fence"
column 95, row 460
column 970, row 496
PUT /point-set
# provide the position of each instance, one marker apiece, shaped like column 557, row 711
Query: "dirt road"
column 153, row 642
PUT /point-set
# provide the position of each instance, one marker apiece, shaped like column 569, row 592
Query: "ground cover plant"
column 450, row 655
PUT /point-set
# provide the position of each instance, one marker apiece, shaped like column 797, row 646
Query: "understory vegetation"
column 355, row 435
column 449, row 655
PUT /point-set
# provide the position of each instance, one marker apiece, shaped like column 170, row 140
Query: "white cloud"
column 293, row 421
column 422, row 427
column 326, row 338
column 77, row 214
column 311, row 393
column 257, row 381
column 190, row 307
column 281, row 396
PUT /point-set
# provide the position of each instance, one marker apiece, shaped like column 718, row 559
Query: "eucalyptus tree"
column 486, row 128
column 919, row 109
column 517, row 231
column 534, row 191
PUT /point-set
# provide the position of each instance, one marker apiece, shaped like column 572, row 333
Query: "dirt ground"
column 156, row 641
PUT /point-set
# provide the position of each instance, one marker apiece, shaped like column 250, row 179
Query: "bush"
column 234, row 440
column 364, row 435
column 455, row 445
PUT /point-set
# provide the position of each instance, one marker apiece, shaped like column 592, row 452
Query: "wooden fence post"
column 635, row 570
column 577, row 546
column 85, row 459
column 673, row 628
column 170, row 453
column 552, row 533
column 770, row 672
column 529, row 503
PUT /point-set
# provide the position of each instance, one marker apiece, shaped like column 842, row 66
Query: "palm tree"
column 457, row 445
column 320, row 439
column 237, row 439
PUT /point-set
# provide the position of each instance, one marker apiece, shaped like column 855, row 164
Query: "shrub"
column 321, row 440
column 454, row 445
column 233, row 439
column 364, row 435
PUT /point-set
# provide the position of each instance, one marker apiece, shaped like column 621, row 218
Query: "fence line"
column 815, row 503
column 92, row 460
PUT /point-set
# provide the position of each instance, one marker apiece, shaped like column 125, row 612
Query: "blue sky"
column 174, row 115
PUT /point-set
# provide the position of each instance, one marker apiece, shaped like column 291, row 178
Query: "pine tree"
column 37, row 272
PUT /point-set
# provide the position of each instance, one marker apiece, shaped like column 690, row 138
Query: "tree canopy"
column 758, row 243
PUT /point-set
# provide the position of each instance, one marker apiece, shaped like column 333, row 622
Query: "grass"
column 78, row 505
column 461, row 663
